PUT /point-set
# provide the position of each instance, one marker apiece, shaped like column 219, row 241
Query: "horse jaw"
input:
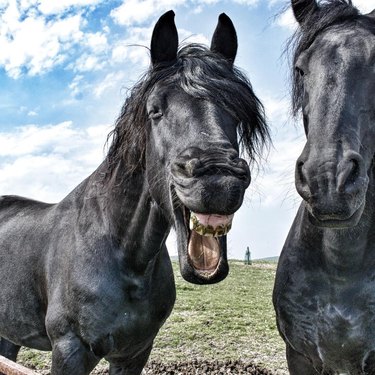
column 202, row 247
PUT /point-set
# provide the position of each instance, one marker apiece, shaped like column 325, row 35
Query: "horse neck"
column 129, row 215
column 352, row 249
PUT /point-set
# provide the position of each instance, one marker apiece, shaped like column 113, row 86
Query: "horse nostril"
column 350, row 170
column 355, row 172
column 191, row 166
column 241, row 163
column 299, row 172
column 241, row 169
column 187, row 168
column 301, row 182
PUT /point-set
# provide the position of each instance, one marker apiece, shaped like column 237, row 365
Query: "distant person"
column 248, row 256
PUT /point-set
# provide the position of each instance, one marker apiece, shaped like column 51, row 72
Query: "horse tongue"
column 204, row 249
column 204, row 252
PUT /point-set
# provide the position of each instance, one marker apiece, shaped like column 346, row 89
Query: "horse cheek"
column 157, row 160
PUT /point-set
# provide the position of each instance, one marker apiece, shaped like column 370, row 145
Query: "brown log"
column 8, row 367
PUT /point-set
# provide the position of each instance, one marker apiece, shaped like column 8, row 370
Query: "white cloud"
column 38, row 35
column 75, row 86
column 365, row 6
column 272, row 3
column 186, row 35
column 137, row 11
column 132, row 12
column 32, row 139
column 54, row 7
column 276, row 182
column 32, row 43
column 87, row 62
column 277, row 110
column 109, row 85
column 132, row 48
column 97, row 42
column 39, row 177
column 247, row 2
column 287, row 20
column 46, row 162
column 110, row 81
column 135, row 48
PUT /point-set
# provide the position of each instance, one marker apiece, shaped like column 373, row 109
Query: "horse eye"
column 299, row 71
column 155, row 114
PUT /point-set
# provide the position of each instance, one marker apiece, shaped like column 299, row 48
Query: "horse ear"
column 302, row 8
column 224, row 40
column 164, row 41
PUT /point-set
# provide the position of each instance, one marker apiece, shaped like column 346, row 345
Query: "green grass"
column 230, row 320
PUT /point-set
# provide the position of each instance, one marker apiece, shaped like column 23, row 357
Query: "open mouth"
column 204, row 251
column 201, row 245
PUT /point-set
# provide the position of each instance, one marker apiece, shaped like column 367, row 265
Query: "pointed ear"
column 224, row 40
column 302, row 8
column 164, row 41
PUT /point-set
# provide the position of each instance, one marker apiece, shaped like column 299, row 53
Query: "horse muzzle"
column 207, row 189
column 334, row 191
column 210, row 182
column 335, row 212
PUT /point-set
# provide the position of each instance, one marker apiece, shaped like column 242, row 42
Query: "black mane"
column 339, row 13
column 201, row 74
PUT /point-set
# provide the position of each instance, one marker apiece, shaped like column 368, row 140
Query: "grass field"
column 230, row 320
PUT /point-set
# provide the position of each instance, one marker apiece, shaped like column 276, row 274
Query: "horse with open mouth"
column 90, row 277
column 324, row 290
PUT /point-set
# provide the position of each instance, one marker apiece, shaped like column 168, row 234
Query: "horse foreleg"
column 71, row 356
column 130, row 367
column 298, row 364
column 8, row 349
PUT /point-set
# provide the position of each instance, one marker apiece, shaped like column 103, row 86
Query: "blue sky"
column 66, row 65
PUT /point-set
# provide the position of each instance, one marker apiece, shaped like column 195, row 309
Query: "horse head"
column 192, row 158
column 334, row 84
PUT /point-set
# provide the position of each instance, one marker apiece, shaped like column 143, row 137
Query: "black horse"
column 90, row 277
column 324, row 292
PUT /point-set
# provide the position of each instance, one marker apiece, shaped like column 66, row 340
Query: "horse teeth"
column 192, row 222
column 207, row 230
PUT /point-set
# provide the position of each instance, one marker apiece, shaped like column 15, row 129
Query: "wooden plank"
column 12, row 368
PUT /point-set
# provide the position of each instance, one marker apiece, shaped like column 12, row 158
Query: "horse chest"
column 118, row 313
column 332, row 323
column 128, row 316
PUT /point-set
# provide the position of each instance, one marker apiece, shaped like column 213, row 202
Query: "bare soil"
column 205, row 367
column 196, row 367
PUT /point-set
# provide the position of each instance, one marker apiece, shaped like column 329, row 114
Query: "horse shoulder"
column 15, row 202
column 299, row 281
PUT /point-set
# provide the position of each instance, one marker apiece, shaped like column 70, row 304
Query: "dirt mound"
column 204, row 367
